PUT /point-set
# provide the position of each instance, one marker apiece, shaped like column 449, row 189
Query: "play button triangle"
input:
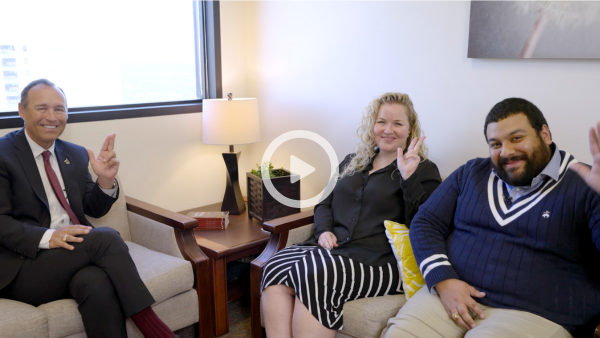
column 300, row 168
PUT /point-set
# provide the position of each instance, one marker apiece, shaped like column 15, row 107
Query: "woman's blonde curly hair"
column 365, row 149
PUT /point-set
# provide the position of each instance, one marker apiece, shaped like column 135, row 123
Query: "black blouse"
column 359, row 204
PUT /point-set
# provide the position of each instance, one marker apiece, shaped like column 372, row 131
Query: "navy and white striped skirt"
column 324, row 282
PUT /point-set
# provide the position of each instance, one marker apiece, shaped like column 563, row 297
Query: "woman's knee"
column 278, row 290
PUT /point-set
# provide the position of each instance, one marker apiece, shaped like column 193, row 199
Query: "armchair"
column 362, row 318
column 162, row 245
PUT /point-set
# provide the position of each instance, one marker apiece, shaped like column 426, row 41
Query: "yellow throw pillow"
column 412, row 279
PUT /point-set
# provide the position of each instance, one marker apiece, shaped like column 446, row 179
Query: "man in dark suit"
column 48, row 249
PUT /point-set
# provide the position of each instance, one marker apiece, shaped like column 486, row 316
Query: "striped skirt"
column 324, row 282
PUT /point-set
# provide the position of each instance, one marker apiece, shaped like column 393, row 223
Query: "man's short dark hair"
column 34, row 83
column 513, row 106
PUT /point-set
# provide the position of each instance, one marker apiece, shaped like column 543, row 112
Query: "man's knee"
column 90, row 281
column 104, row 235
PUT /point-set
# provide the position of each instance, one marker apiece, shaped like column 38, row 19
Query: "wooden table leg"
column 220, row 296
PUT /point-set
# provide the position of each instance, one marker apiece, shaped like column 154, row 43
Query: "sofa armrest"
column 287, row 223
column 183, row 232
column 164, row 216
column 279, row 229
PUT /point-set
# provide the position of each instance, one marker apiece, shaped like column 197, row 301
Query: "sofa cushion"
column 164, row 275
column 63, row 318
column 116, row 218
column 367, row 317
column 21, row 320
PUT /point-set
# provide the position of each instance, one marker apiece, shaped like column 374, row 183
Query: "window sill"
column 115, row 113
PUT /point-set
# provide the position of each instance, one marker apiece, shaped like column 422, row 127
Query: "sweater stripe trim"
column 496, row 201
column 430, row 259
column 435, row 265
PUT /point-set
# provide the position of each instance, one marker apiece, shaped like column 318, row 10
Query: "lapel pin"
column 67, row 161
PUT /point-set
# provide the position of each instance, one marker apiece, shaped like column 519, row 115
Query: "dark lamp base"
column 233, row 201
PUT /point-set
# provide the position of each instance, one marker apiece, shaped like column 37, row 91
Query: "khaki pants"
column 424, row 316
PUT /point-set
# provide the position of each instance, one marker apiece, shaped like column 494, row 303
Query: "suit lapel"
column 25, row 156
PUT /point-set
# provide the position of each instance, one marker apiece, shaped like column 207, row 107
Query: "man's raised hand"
column 106, row 165
column 591, row 176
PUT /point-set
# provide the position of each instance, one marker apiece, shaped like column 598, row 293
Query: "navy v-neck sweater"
column 540, row 254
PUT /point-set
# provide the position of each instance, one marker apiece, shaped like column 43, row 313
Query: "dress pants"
column 99, row 274
column 424, row 316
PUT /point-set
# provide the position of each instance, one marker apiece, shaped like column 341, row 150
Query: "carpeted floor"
column 239, row 318
column 239, row 321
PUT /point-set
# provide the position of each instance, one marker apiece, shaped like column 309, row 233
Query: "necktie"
column 56, row 187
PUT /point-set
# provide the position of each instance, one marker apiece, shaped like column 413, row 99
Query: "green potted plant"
column 263, row 206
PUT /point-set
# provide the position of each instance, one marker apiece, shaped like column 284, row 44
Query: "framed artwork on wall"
column 534, row 29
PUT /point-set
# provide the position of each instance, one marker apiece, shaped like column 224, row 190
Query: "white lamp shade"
column 230, row 122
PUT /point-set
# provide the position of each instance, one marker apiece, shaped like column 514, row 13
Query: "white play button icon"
column 300, row 168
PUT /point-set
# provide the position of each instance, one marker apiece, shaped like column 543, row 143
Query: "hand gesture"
column 328, row 240
column 456, row 296
column 591, row 176
column 106, row 165
column 408, row 163
column 62, row 236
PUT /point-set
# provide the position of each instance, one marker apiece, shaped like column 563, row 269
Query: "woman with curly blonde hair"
column 388, row 177
column 367, row 147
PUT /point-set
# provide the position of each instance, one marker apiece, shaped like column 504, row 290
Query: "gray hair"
column 34, row 83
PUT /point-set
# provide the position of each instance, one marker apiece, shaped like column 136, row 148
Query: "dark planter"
column 262, row 206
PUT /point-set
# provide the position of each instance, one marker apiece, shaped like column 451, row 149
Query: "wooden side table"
column 242, row 238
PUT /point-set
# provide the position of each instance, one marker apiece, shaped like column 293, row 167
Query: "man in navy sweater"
column 508, row 245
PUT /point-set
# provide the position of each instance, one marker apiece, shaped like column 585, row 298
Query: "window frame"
column 207, row 14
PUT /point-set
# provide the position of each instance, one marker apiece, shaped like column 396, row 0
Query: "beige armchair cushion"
column 367, row 317
column 21, row 320
column 153, row 235
column 116, row 217
column 63, row 318
column 165, row 276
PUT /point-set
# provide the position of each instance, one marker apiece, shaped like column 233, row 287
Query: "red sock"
column 150, row 325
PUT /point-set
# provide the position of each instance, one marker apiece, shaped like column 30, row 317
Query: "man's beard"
column 533, row 166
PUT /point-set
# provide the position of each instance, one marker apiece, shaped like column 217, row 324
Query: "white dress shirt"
column 58, row 215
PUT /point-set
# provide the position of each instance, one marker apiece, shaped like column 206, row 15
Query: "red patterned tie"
column 56, row 187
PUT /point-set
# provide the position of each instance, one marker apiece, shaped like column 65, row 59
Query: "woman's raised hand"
column 408, row 163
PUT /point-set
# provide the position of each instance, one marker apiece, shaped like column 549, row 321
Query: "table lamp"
column 229, row 122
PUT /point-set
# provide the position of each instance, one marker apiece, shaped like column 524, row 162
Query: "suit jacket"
column 24, row 213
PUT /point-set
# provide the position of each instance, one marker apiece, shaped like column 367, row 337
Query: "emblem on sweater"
column 504, row 213
column 67, row 161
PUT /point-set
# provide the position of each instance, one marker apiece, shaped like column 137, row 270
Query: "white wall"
column 315, row 65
